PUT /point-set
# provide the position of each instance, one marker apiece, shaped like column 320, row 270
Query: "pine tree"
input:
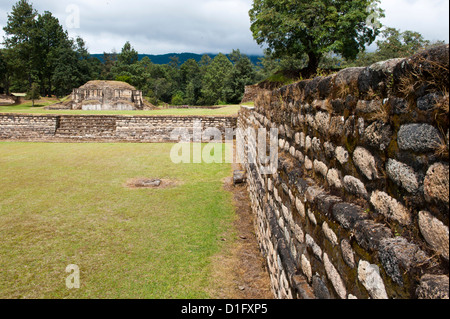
column 241, row 75
column 20, row 37
column 214, row 80
column 33, row 93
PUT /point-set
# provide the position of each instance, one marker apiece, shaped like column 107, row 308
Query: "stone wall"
column 359, row 204
column 103, row 127
column 251, row 93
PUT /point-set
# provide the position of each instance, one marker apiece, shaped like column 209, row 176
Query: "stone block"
column 334, row 277
column 433, row 287
column 306, row 267
column 398, row 256
column 348, row 78
column 369, row 276
column 398, row 105
column 316, row 145
column 436, row 183
column 324, row 203
column 300, row 208
column 321, row 168
column 371, row 106
column 369, row 234
column 403, row 175
column 329, row 234
column 303, row 289
column 348, row 214
column 312, row 217
column 239, row 177
column 427, row 102
column 342, row 155
column 320, row 288
column 329, row 149
column 337, row 126
column 347, row 253
column 365, row 161
column 378, row 135
column 435, row 233
column 355, row 187
column 322, row 120
column 390, row 208
column 317, row 251
column 420, row 138
column 334, row 178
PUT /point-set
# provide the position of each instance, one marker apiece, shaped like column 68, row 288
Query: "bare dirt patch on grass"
column 240, row 272
column 157, row 183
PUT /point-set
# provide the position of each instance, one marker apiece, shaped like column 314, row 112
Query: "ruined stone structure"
column 358, row 206
column 105, row 95
column 104, row 128
column 8, row 99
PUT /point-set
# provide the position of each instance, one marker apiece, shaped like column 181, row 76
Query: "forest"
column 39, row 56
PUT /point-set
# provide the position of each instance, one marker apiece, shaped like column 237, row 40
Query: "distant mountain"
column 183, row 57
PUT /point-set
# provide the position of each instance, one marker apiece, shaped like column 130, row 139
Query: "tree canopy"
column 38, row 50
column 315, row 27
column 393, row 44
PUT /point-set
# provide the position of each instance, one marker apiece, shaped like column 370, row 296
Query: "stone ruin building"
column 8, row 100
column 105, row 96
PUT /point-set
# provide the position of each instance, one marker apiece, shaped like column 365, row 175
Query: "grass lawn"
column 63, row 204
column 226, row 110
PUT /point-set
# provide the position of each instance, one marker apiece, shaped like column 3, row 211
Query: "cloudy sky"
column 200, row 26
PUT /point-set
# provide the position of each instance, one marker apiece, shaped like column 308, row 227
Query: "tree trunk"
column 313, row 64
column 49, row 86
column 7, row 91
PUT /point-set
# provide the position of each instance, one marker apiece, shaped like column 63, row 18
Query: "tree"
column 66, row 74
column 128, row 55
column 192, row 93
column 39, row 50
column 109, row 60
column 4, row 77
column 204, row 63
column 174, row 62
column 33, row 93
column 191, row 81
column 394, row 44
column 88, row 67
column 178, row 98
column 50, row 36
column 20, row 33
column 125, row 67
column 214, row 80
column 241, row 75
column 314, row 27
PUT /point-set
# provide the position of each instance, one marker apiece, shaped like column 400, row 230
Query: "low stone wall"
column 103, row 127
column 25, row 127
column 359, row 204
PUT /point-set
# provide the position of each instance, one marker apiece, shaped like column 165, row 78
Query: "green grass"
column 228, row 110
column 64, row 204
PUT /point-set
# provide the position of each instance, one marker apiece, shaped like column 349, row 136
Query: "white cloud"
column 168, row 26
column 200, row 26
column 429, row 17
